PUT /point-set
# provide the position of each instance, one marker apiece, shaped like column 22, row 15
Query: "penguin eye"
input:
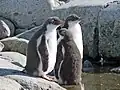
column 53, row 20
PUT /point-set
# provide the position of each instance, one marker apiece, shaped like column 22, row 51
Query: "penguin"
column 42, row 49
column 68, row 68
column 4, row 30
column 72, row 24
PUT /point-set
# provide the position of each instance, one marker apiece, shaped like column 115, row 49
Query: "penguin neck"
column 51, row 29
column 74, row 28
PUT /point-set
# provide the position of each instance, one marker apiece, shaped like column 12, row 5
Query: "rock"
column 10, row 25
column 25, row 14
column 29, row 33
column 109, row 43
column 32, row 83
column 55, row 3
column 87, row 66
column 13, row 72
column 115, row 70
column 15, row 44
column 8, row 84
column 15, row 58
column 19, row 31
column 7, row 68
column 1, row 46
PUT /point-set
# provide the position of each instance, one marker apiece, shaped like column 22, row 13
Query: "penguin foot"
column 47, row 78
column 82, row 86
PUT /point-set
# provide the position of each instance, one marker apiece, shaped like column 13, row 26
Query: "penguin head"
column 65, row 33
column 73, row 18
column 53, row 22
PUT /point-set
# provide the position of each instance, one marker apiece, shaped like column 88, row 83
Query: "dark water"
column 99, row 81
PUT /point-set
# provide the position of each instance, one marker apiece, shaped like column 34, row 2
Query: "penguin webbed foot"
column 47, row 78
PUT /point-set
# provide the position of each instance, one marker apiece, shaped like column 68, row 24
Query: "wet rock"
column 9, row 84
column 87, row 66
column 29, row 33
column 15, row 58
column 115, row 70
column 1, row 46
column 10, row 25
column 15, row 44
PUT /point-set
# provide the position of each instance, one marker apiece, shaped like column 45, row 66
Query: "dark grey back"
column 33, row 54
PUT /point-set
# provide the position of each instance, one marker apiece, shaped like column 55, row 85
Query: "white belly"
column 77, row 37
column 79, row 43
column 51, row 43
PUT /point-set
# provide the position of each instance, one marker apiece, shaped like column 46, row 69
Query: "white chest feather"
column 51, row 43
column 75, row 29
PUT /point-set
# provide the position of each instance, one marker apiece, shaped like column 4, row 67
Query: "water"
column 99, row 81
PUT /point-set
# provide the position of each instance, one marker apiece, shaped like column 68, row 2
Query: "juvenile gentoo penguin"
column 73, row 26
column 4, row 30
column 70, row 67
column 42, row 49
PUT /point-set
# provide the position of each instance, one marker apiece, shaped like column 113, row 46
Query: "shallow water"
column 99, row 81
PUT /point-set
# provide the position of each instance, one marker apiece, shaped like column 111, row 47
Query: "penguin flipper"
column 59, row 59
column 44, row 53
column 47, row 78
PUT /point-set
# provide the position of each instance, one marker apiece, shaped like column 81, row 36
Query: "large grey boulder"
column 13, row 72
column 32, row 83
column 14, row 57
column 25, row 13
column 29, row 33
column 15, row 44
column 9, row 84
column 109, row 40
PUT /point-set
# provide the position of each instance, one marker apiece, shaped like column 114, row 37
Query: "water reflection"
column 99, row 81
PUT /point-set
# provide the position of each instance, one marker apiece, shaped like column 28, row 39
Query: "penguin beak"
column 61, row 24
column 79, row 19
